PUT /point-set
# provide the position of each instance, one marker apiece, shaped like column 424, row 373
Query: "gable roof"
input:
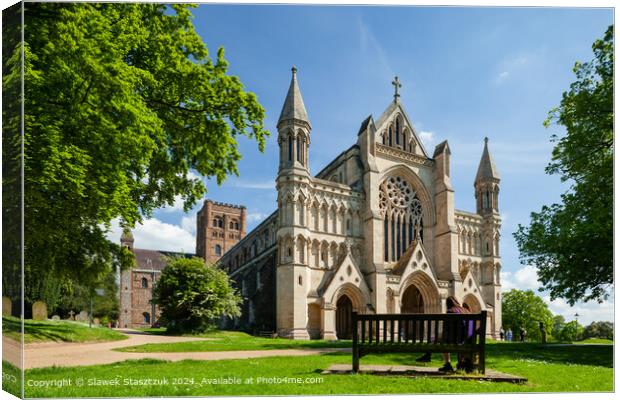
column 155, row 259
column 396, row 107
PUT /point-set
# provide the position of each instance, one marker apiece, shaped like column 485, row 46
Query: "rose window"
column 402, row 213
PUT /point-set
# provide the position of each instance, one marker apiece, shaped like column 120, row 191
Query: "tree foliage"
column 599, row 329
column 193, row 296
column 123, row 102
column 525, row 309
column 571, row 243
column 77, row 297
column 558, row 325
column 571, row 331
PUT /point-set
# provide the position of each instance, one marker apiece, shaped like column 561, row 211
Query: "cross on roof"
column 397, row 85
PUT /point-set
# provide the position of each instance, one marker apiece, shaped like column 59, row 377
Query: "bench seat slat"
column 420, row 333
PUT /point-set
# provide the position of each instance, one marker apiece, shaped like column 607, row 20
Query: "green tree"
column 525, row 309
column 572, row 243
column 558, row 324
column 122, row 103
column 571, row 331
column 599, row 329
column 192, row 296
column 77, row 297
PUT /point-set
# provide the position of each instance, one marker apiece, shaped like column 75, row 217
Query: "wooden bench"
column 419, row 333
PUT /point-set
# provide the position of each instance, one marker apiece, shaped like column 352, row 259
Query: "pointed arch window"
column 397, row 133
column 297, row 148
column 402, row 213
column 290, row 147
column 390, row 136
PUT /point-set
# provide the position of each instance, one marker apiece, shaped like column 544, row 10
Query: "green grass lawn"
column 230, row 341
column 57, row 331
column 571, row 368
column 595, row 341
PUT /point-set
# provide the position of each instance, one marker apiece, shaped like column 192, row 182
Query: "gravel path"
column 48, row 354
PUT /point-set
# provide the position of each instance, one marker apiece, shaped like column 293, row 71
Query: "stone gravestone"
column 82, row 316
column 7, row 306
column 39, row 311
column 96, row 321
column 71, row 315
column 55, row 318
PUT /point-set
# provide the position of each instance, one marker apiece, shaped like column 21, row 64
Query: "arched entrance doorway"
column 471, row 303
column 344, row 308
column 412, row 303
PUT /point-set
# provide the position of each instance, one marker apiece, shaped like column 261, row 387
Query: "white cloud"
column 502, row 76
column 587, row 312
column 154, row 234
column 188, row 223
column 176, row 206
column 255, row 217
column 510, row 66
column 526, row 278
column 427, row 138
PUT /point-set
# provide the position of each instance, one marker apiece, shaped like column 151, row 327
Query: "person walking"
column 501, row 333
column 522, row 334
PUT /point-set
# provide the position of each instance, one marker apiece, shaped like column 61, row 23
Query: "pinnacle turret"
column 487, row 184
column 486, row 168
column 293, row 108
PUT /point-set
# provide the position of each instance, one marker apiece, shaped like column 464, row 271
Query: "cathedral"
column 375, row 231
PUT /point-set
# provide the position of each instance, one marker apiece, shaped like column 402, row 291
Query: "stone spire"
column 293, row 108
column 486, row 169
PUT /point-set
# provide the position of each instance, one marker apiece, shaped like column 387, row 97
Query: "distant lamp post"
column 576, row 317
column 98, row 292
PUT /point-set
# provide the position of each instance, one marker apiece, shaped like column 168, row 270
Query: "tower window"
column 390, row 136
column 290, row 148
column 297, row 148
column 145, row 283
column 218, row 250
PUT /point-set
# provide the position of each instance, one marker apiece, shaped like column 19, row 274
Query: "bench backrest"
column 419, row 329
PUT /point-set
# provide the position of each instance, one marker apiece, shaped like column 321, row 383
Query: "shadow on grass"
column 37, row 330
column 57, row 331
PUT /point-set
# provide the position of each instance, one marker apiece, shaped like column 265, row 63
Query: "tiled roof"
column 155, row 259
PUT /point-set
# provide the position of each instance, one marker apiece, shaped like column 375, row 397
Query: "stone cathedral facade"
column 375, row 231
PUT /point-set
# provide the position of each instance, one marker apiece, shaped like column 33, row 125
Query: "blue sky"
column 466, row 73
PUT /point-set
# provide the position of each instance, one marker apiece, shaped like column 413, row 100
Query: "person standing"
column 501, row 333
column 509, row 335
column 522, row 334
column 543, row 332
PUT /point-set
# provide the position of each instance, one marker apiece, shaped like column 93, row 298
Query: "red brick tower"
column 219, row 227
